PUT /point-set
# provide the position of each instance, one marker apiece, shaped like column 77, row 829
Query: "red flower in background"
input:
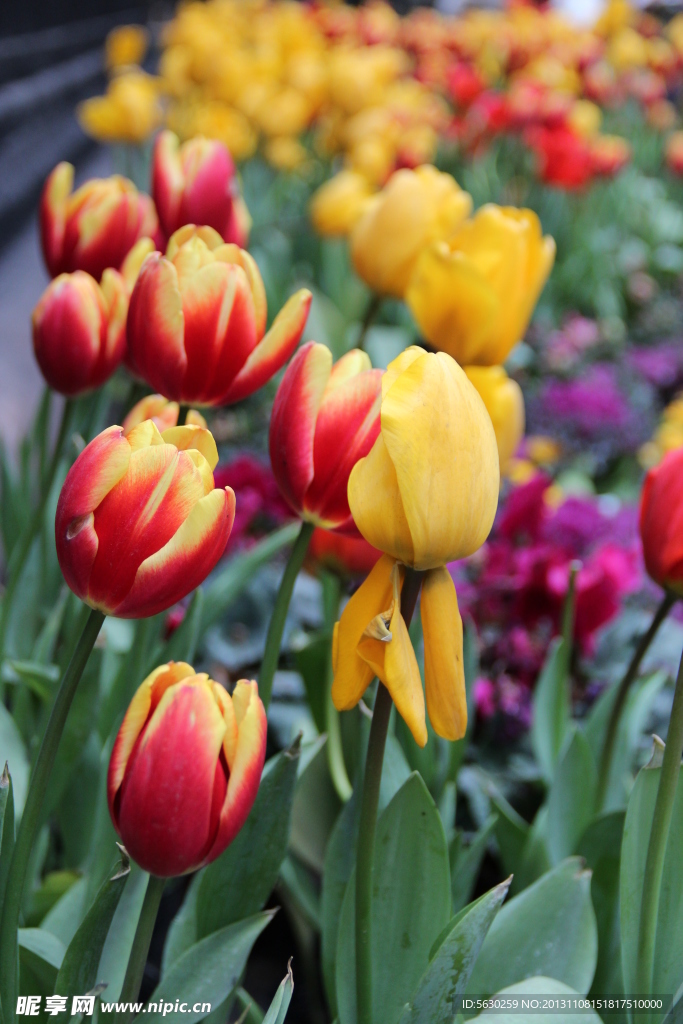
column 259, row 506
column 564, row 158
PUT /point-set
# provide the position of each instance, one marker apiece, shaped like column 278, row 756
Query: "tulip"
column 197, row 319
column 163, row 413
column 414, row 209
column 125, row 45
column 564, row 158
column 94, row 227
column 661, row 522
column 426, row 495
column 196, row 184
column 139, row 523
column 610, row 154
column 324, row 419
column 347, row 557
column 473, row 296
column 504, row 403
column 130, row 111
column 185, row 768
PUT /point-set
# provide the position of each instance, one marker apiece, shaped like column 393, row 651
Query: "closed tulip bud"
column 339, row 203
column 185, row 768
column 94, row 227
column 414, row 209
column 425, row 495
column 197, row 320
column 504, row 403
column 348, row 557
column 473, row 296
column 164, row 414
column 196, row 184
column 139, row 523
column 324, row 419
column 661, row 522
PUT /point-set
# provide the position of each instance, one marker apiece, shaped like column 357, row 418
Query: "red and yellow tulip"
column 164, row 414
column 661, row 521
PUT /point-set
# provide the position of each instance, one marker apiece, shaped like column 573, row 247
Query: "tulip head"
column 163, row 413
column 130, row 111
column 414, row 209
column 504, row 403
column 196, row 184
column 661, row 522
column 197, row 319
column 347, row 557
column 427, row 491
column 473, row 296
column 94, row 227
column 324, row 419
column 185, row 768
column 139, row 523
column 338, row 204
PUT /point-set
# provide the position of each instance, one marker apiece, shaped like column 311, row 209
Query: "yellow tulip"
column 338, row 204
column 285, row 153
column 125, row 45
column 414, row 209
column 504, row 403
column 426, row 494
column 474, row 295
column 129, row 112
column 585, row 118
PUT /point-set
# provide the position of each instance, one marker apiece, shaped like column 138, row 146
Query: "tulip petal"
column 504, row 403
column 377, row 506
column 231, row 730
column 53, row 207
column 156, row 326
column 191, row 436
column 353, row 674
column 349, row 366
column 185, row 561
column 152, row 407
column 274, row 350
column 399, row 364
column 293, row 419
column 444, row 668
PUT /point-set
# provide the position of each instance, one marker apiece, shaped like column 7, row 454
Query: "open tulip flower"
column 504, row 403
column 426, row 494
column 324, row 419
column 197, row 321
column 339, row 203
column 196, row 183
column 473, row 295
column 139, row 523
column 185, row 768
column 94, row 227
column 661, row 522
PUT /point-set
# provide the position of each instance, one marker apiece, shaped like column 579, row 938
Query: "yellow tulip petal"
column 193, row 436
column 376, row 503
column 398, row 365
column 444, row 670
column 504, row 403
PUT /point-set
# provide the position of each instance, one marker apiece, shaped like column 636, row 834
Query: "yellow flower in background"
column 285, row 153
column 426, row 494
column 338, row 204
column 585, row 118
column 627, row 49
column 125, row 45
column 130, row 111
column 504, row 403
column 414, row 209
column 473, row 296
column 667, row 437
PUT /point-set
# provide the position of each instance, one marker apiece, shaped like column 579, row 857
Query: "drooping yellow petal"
column 444, row 669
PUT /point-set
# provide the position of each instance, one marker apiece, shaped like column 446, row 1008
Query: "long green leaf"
column 552, row 709
column 277, row 1010
column 182, row 644
column 571, row 798
column 466, row 863
column 600, row 846
column 539, row 986
column 40, row 957
column 13, row 752
column 6, row 828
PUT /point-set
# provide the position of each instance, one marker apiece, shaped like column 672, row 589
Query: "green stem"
column 22, row 548
column 182, row 414
column 370, row 314
column 646, row 639
column 365, row 851
column 659, row 834
column 271, row 654
column 33, row 808
column 140, row 948
column 335, row 750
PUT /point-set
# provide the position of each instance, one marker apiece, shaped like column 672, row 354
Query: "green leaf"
column 119, row 941
column 551, row 709
column 550, row 927
column 40, row 957
column 312, row 664
column 182, row 644
column 209, row 971
column 51, row 889
column 411, row 900
column 251, row 1012
column 13, row 752
column 571, row 798
column 6, row 828
column 450, row 967
column 78, row 972
column 535, row 860
column 67, row 913
column 467, row 861
column 600, row 846
column 183, row 930
column 512, row 833
column 300, row 883
column 277, row 1010
column 40, row 679
column 315, row 809
column 539, row 986
column 240, row 881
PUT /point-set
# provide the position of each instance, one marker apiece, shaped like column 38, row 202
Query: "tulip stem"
column 271, row 655
column 659, row 835
column 365, row 851
column 665, row 606
column 140, row 948
column 22, row 548
column 182, row 414
column 369, row 318
column 335, row 750
column 33, row 810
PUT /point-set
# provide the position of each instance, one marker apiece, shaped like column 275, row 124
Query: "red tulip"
column 185, row 768
column 348, row 557
column 196, row 184
column 610, row 154
column 565, row 159
column 661, row 521
column 197, row 319
column 94, row 227
column 324, row 420
column 465, row 83
column 139, row 523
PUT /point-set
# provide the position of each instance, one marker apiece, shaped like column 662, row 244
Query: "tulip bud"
column 185, row 768
column 94, row 227
column 196, row 183
column 473, row 296
column 139, row 523
column 348, row 557
column 661, row 521
column 197, row 319
column 414, row 209
column 164, row 414
column 339, row 203
column 324, row 419
column 504, row 403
